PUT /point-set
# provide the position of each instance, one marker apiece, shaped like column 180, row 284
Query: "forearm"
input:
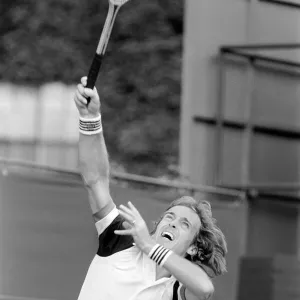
column 93, row 158
column 190, row 275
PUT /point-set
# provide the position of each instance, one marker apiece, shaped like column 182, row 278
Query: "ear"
column 192, row 250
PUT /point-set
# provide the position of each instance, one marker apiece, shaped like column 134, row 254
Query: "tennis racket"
column 114, row 7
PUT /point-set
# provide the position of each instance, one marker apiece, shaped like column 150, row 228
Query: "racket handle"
column 93, row 72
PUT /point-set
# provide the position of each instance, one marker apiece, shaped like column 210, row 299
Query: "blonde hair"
column 209, row 241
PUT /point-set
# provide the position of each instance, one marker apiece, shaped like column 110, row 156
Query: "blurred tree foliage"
column 55, row 40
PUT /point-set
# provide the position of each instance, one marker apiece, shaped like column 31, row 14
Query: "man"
column 175, row 261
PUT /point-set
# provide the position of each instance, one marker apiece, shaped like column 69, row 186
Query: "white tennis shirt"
column 121, row 271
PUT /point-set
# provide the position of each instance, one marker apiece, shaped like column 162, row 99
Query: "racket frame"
column 102, row 45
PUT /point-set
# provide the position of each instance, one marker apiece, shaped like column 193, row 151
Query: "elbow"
column 202, row 291
column 209, row 292
column 93, row 175
column 206, row 290
column 92, row 180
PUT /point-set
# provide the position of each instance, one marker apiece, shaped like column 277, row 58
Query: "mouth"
column 168, row 235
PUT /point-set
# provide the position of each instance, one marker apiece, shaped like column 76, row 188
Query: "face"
column 177, row 229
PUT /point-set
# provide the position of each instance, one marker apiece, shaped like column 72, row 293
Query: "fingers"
column 81, row 89
column 84, row 83
column 80, row 100
column 89, row 92
column 129, row 213
column 129, row 218
column 133, row 209
column 82, row 93
column 84, row 80
column 81, row 96
column 124, row 232
column 85, row 92
column 127, row 225
column 126, row 210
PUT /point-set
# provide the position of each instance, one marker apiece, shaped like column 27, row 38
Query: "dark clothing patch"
column 110, row 243
column 175, row 290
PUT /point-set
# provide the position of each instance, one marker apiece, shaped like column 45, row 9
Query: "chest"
column 136, row 270
column 127, row 275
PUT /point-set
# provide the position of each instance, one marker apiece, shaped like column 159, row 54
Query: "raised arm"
column 93, row 156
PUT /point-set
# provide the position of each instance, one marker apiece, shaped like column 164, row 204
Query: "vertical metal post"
column 8, row 147
column 219, row 136
column 247, row 138
column 298, row 234
column 9, row 142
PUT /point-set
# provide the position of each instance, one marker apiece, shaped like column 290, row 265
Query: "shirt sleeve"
column 109, row 242
column 106, row 221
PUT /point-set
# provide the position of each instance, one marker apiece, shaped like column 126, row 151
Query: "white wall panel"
column 274, row 160
column 23, row 113
column 6, row 97
column 53, row 110
column 232, row 157
column 277, row 99
column 208, row 24
column 274, row 24
column 234, row 91
column 202, row 159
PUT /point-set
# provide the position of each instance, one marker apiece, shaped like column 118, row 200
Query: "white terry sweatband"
column 159, row 254
column 90, row 126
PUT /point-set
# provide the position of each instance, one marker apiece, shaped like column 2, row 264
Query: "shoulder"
column 109, row 242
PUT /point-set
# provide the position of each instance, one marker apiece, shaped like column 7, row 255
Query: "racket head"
column 118, row 2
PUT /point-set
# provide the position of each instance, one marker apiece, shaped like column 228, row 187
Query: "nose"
column 173, row 224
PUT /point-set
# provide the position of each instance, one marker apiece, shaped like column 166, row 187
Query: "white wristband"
column 159, row 254
column 90, row 126
column 165, row 258
column 153, row 249
column 98, row 118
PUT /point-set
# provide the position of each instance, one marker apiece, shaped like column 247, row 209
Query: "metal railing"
column 238, row 194
column 287, row 3
column 10, row 297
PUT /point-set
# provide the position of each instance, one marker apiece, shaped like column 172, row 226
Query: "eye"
column 168, row 216
column 186, row 225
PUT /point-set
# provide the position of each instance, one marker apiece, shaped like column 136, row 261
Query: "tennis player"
column 175, row 261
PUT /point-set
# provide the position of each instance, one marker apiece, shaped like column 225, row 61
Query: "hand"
column 93, row 109
column 136, row 227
